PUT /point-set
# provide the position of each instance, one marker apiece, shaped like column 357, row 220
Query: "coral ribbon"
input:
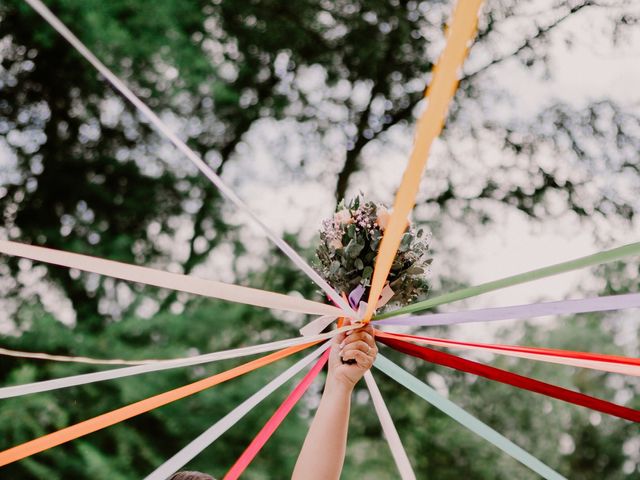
column 111, row 418
column 439, row 94
column 513, row 379
column 595, row 361
column 276, row 419
column 202, row 441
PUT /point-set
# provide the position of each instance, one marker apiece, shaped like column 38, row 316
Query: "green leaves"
column 354, row 248
column 357, row 226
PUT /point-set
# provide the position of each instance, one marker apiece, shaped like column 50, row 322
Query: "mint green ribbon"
column 461, row 416
column 588, row 261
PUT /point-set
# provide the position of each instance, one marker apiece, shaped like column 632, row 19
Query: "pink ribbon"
column 274, row 422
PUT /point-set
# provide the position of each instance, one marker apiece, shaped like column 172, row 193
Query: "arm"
column 322, row 454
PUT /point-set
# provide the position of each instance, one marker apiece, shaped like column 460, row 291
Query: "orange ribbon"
column 439, row 94
column 111, row 418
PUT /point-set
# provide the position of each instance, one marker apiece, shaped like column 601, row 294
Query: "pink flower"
column 383, row 217
column 343, row 217
column 335, row 244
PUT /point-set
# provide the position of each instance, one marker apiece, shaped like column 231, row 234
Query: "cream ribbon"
column 65, row 382
column 391, row 434
column 173, row 281
column 119, row 85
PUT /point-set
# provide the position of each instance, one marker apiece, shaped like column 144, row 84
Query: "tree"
column 85, row 173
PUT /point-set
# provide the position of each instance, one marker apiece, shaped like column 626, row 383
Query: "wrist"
column 339, row 386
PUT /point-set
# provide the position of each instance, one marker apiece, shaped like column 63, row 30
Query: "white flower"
column 343, row 217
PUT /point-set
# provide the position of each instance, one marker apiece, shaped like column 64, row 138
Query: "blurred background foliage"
column 81, row 171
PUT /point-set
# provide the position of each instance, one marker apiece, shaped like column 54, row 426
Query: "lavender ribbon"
column 564, row 307
column 355, row 296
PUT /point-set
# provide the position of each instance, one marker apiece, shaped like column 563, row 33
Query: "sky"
column 588, row 70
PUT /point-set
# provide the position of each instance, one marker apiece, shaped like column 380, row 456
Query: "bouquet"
column 349, row 243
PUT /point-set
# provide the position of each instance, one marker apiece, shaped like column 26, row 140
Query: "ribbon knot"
column 355, row 302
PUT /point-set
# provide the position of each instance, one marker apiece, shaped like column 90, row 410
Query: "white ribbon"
column 391, row 434
column 316, row 326
column 47, row 385
column 181, row 458
column 55, row 22
column 173, row 281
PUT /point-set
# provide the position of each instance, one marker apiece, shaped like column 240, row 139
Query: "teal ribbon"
column 461, row 416
column 588, row 261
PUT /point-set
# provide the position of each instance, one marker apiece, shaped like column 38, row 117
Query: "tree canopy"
column 81, row 171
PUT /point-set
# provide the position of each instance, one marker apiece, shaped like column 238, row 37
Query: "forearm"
column 322, row 455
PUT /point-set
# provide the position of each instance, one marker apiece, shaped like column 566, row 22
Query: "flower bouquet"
column 349, row 243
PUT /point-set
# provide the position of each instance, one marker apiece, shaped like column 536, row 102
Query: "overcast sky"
column 590, row 70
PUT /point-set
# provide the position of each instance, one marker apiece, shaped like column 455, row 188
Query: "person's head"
column 191, row 476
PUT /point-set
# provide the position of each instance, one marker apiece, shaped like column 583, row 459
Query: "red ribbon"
column 599, row 357
column 513, row 379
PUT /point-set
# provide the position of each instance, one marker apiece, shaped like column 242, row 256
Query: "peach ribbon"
column 439, row 95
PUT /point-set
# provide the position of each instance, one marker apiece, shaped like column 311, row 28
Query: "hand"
column 358, row 345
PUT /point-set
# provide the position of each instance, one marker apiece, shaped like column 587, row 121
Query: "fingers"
column 363, row 360
column 360, row 346
column 338, row 339
column 357, row 345
column 361, row 335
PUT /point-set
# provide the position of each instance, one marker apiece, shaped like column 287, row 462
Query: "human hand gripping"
column 357, row 346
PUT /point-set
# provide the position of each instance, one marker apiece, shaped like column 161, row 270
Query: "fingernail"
column 341, row 346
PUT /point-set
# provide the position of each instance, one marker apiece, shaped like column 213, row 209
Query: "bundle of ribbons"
column 439, row 94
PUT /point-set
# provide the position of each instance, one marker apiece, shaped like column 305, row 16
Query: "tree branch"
column 542, row 31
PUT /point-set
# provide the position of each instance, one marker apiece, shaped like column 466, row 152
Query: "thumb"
column 337, row 340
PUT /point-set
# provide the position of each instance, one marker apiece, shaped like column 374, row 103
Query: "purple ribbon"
column 355, row 296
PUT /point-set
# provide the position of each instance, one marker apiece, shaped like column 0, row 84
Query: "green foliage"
column 90, row 176
column 348, row 249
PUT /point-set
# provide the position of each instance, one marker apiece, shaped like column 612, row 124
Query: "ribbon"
column 221, row 426
column 563, row 307
column 421, row 389
column 513, row 379
column 319, row 324
column 595, row 361
column 173, row 281
column 439, row 94
column 391, row 434
column 64, row 358
column 124, row 413
column 83, row 379
column 582, row 262
column 207, row 171
column 276, row 419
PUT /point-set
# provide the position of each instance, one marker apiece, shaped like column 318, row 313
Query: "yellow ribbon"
column 440, row 92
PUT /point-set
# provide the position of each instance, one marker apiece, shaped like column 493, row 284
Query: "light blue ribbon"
column 461, row 416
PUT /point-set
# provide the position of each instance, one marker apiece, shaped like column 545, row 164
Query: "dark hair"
column 191, row 476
